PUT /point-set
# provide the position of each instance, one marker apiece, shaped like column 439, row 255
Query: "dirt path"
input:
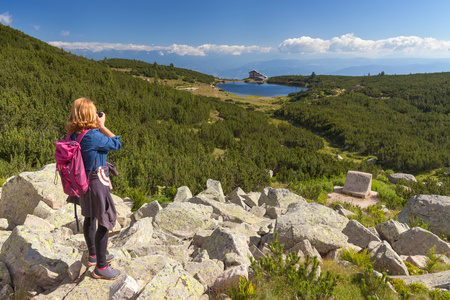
column 363, row 203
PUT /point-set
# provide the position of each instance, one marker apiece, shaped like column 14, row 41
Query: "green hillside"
column 140, row 68
column 402, row 119
column 170, row 138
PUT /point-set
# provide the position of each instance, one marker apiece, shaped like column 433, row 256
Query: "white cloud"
column 36, row 27
column 350, row 44
column 65, row 32
column 182, row 50
column 6, row 18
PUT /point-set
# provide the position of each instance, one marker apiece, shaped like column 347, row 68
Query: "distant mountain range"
column 237, row 67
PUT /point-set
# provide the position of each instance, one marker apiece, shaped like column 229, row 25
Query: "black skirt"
column 97, row 202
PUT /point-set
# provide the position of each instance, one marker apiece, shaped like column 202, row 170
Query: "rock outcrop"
column 431, row 209
column 183, row 249
column 396, row 177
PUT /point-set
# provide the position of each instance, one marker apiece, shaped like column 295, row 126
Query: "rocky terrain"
column 196, row 245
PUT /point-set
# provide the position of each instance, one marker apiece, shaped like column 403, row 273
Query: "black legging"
column 96, row 240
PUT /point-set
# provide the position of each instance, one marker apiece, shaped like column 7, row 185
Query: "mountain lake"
column 244, row 89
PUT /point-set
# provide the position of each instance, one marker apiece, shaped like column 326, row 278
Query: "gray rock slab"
column 208, row 269
column 228, row 211
column 123, row 288
column 22, row 193
column 172, row 282
column 183, row 219
column 213, row 191
column 358, row 234
column 391, row 229
column 396, row 177
column 430, row 281
column 281, row 198
column 252, row 198
column 147, row 210
column 357, row 184
column 387, row 260
column 319, row 224
column 223, row 241
column 418, row 241
column 183, row 193
column 35, row 260
column 431, row 209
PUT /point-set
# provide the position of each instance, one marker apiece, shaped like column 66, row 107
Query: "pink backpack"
column 70, row 166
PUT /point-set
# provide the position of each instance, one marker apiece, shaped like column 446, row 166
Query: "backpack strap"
column 80, row 136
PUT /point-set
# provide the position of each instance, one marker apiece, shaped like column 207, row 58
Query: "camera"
column 100, row 114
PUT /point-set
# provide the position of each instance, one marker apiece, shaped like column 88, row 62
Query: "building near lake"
column 256, row 75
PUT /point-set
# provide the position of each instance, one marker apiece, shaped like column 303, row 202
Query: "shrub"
column 439, row 295
column 304, row 279
column 417, row 222
column 376, row 185
column 138, row 196
column 432, row 258
column 417, row 288
column 401, row 288
column 413, row 270
column 374, row 286
column 390, row 197
column 245, row 290
column 362, row 259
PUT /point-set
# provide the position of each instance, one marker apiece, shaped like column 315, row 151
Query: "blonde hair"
column 82, row 116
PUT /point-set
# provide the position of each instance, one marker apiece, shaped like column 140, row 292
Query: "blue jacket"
column 95, row 147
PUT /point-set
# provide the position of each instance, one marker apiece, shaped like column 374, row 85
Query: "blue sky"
column 225, row 30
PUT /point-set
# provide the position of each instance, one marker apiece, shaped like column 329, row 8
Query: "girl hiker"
column 97, row 203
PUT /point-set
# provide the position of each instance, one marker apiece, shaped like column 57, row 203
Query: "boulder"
column 138, row 235
column 65, row 216
column 386, row 259
column 258, row 211
column 230, row 278
column 123, row 288
column 150, row 209
column 87, row 289
column 36, row 260
column 213, row 191
column 391, row 229
column 396, row 177
column 319, row 224
column 273, row 212
column 236, row 197
column 172, row 282
column 5, row 278
column 42, row 210
column 358, row 234
column 431, row 209
column 4, row 224
column 183, row 219
column 183, row 193
column 281, row 198
column 430, row 281
column 228, row 211
column 200, row 236
column 344, row 212
column 144, row 268
column 304, row 248
column 357, row 184
column 418, row 241
column 21, row 194
column 33, row 221
column 222, row 241
column 123, row 211
column 252, row 198
column 208, row 269
column 419, row 261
